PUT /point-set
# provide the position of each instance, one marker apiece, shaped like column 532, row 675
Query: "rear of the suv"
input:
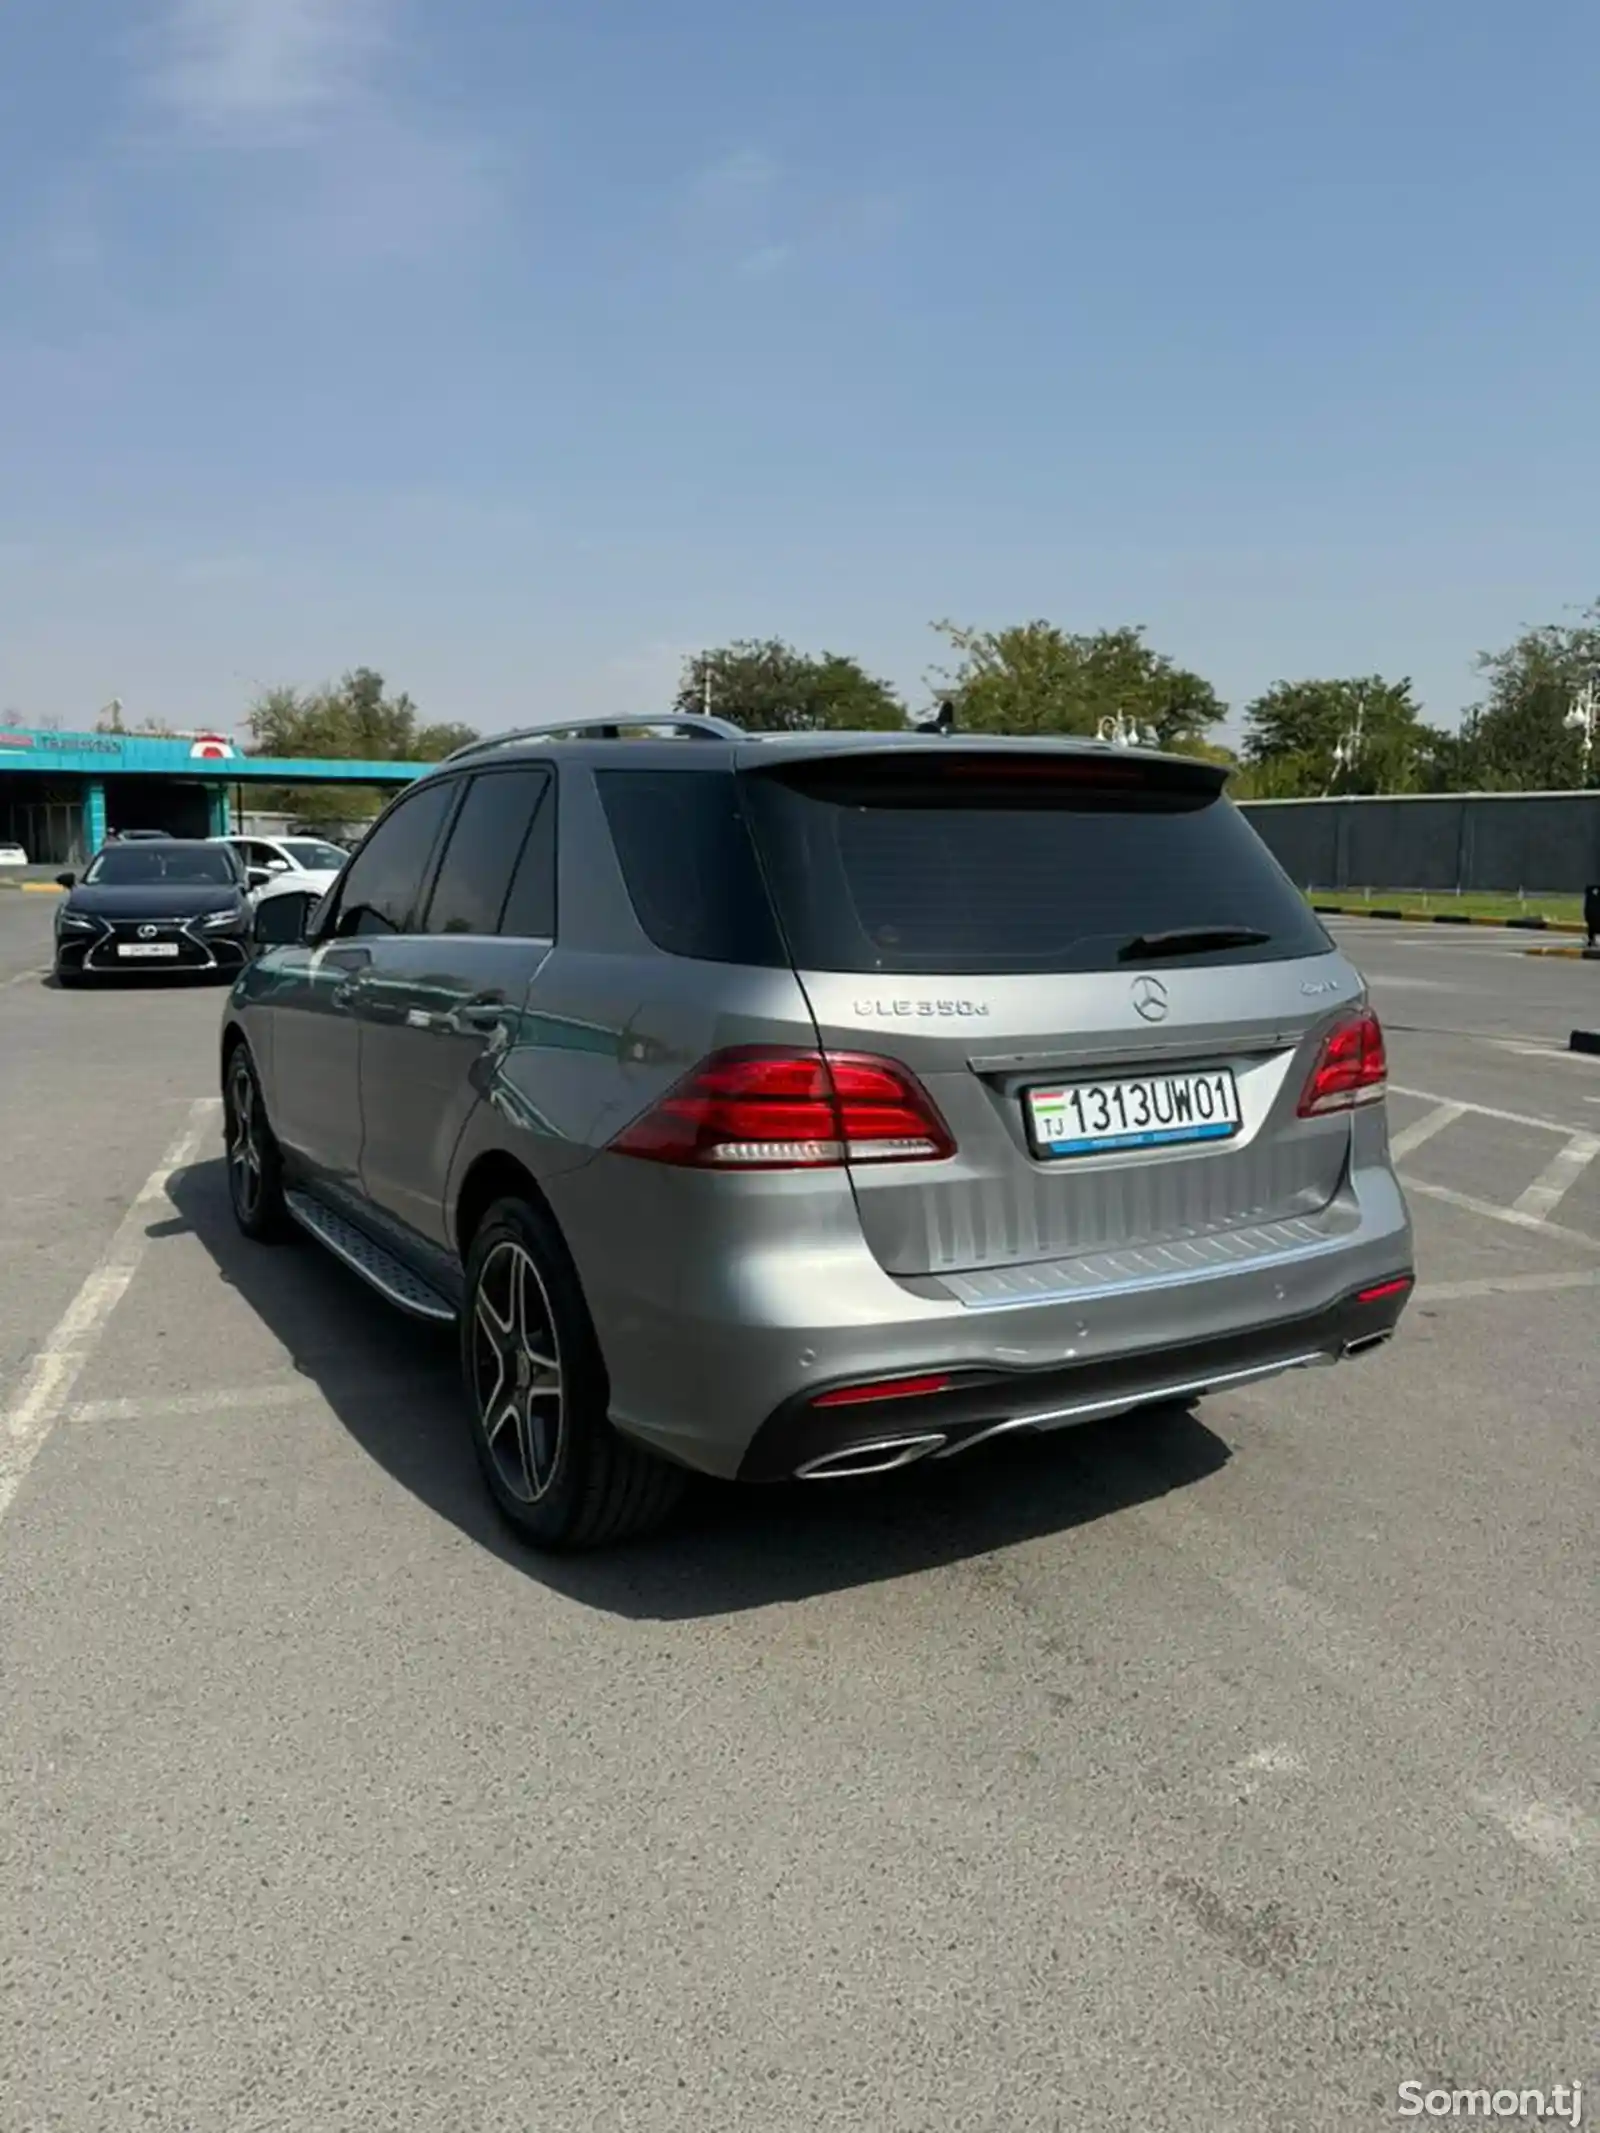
column 1077, row 1108
column 859, row 1097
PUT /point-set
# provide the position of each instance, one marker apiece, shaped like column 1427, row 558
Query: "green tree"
column 1037, row 678
column 352, row 719
column 771, row 688
column 1517, row 739
column 1365, row 735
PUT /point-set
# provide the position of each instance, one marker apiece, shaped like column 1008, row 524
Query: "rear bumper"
column 801, row 1439
column 715, row 1355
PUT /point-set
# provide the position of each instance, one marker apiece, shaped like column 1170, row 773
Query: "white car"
column 12, row 855
column 298, row 882
column 304, row 862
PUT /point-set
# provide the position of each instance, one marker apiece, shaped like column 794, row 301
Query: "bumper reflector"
column 884, row 1389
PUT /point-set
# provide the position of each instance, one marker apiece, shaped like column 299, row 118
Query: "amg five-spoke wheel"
column 255, row 1170
column 516, row 1371
column 244, row 1144
column 539, row 1396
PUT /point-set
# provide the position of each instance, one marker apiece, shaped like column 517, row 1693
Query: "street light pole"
column 1584, row 718
column 1120, row 731
column 1347, row 747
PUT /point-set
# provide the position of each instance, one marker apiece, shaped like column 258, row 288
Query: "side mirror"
column 66, row 881
column 280, row 921
column 258, row 877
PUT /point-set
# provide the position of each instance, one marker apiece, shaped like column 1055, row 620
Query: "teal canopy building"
column 62, row 793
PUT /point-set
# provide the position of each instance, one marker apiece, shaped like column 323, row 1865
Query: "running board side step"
column 379, row 1269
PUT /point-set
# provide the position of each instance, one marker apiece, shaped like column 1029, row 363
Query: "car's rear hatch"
column 1094, row 967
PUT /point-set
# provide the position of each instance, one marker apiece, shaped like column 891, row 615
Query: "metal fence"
column 1540, row 843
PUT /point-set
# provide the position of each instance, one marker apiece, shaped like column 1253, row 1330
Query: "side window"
column 530, row 908
column 487, row 839
column 384, row 884
column 689, row 865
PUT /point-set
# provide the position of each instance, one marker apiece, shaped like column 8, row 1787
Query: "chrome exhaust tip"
column 859, row 1460
column 1367, row 1343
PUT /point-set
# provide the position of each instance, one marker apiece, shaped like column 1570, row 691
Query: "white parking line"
column 1502, row 1285
column 1525, row 1049
column 303, row 1392
column 1558, row 1176
column 55, row 1370
column 1512, row 1215
column 1433, row 1725
column 1507, row 1118
column 1411, row 1137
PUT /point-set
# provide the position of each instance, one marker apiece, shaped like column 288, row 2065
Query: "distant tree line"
column 1344, row 734
column 354, row 720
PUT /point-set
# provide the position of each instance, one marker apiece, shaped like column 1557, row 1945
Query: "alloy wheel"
column 244, row 1139
column 516, row 1372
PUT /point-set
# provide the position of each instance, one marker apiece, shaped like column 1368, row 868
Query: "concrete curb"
column 1451, row 918
column 1573, row 955
column 1585, row 1040
column 33, row 888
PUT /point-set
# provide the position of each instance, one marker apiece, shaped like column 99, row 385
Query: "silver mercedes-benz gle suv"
column 811, row 1105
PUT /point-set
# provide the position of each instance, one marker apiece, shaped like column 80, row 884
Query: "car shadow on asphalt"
column 393, row 1385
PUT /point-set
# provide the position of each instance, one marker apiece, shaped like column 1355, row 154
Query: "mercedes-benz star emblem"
column 147, row 933
column 1150, row 999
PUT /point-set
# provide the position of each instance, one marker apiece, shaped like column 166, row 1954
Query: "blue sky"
column 516, row 349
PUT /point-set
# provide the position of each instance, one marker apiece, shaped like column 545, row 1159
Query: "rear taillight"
column 1351, row 1068
column 760, row 1109
column 884, row 1389
column 1385, row 1289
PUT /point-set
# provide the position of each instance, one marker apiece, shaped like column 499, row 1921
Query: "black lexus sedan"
column 172, row 906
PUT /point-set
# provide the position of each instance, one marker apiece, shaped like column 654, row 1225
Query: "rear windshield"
column 1010, row 864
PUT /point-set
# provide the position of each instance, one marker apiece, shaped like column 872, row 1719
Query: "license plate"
column 148, row 948
column 1150, row 1111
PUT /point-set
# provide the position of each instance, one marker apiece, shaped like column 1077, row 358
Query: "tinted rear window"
column 486, row 843
column 690, row 868
column 961, row 868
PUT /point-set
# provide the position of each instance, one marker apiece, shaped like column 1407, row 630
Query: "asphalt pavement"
column 1220, row 1771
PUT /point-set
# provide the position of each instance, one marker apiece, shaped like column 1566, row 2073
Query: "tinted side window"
column 486, row 841
column 383, row 885
column 689, row 865
column 530, row 908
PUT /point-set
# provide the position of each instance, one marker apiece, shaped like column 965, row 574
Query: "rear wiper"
column 1189, row 940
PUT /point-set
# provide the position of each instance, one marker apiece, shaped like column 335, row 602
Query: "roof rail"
column 698, row 723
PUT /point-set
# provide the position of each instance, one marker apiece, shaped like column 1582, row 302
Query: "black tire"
column 556, row 1468
column 68, row 980
column 255, row 1165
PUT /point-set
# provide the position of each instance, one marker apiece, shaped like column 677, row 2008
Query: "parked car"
column 172, row 905
column 813, row 1105
column 308, row 886
column 12, row 855
column 312, row 861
